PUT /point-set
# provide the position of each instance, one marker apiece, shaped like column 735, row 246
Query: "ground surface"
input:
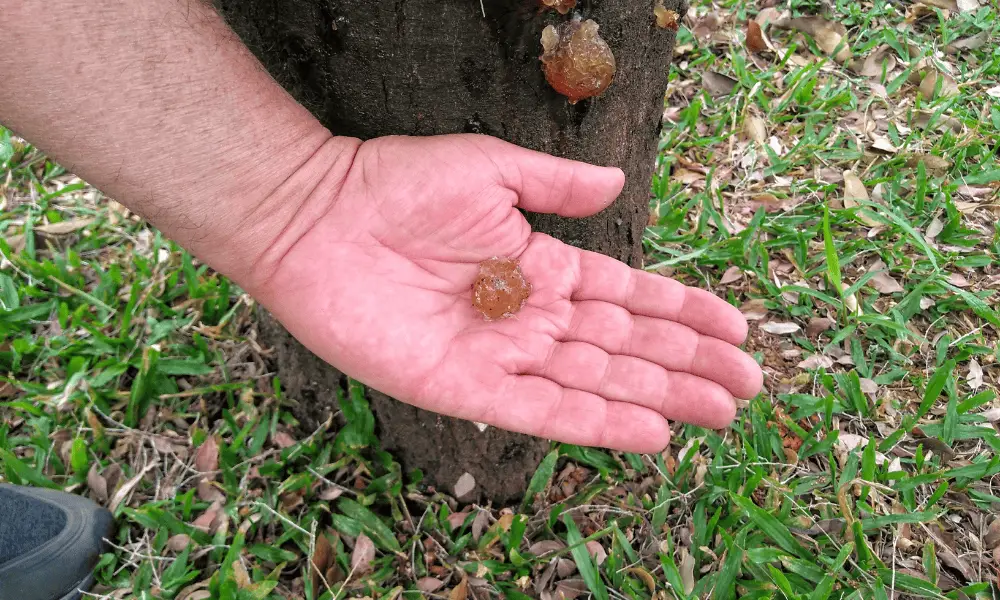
column 847, row 200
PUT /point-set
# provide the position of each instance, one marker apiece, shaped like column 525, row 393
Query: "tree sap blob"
column 577, row 62
column 563, row 6
column 500, row 289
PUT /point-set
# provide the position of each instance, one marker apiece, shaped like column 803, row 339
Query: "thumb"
column 547, row 184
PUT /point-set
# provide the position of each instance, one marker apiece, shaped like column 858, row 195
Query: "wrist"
column 256, row 245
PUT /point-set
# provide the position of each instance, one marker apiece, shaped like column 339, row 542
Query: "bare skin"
column 367, row 252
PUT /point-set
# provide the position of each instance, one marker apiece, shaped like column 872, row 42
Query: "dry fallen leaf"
column 179, row 542
column 973, row 42
column 126, row 489
column 936, row 84
column 854, row 194
column 816, row 361
column 98, row 485
column 363, row 555
column 881, row 60
column 429, row 584
column 882, row 281
column 958, row 280
column 545, row 546
column 831, row 37
column 756, row 129
column 568, row 589
column 64, row 227
column 597, row 551
column 935, row 227
column 206, row 457
column 321, row 560
column 718, row 84
column 754, row 309
column 818, row 325
column 778, row 328
column 755, row 38
column 975, row 378
column 686, row 568
column 732, row 274
column 283, row 440
column 461, row 591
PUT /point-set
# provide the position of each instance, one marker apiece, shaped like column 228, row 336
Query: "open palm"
column 379, row 285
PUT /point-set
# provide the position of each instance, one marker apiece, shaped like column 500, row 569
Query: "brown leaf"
column 942, row 4
column 831, row 37
column 455, row 520
column 854, row 190
column 545, row 546
column 429, row 584
column 565, row 567
column 686, row 568
column 240, row 575
column 206, row 457
column 816, row 361
column 177, row 543
column 597, row 551
column 98, row 485
column 970, row 43
column 885, row 284
column 948, row 557
column 331, row 493
column 479, row 524
column 732, row 274
column 209, row 492
column 755, row 38
column 958, row 280
column 779, row 328
column 975, row 378
column 756, row 129
column 754, row 309
column 363, row 555
column 818, row 325
column 718, row 84
column 645, row 576
column 992, row 537
column 210, row 520
column 461, row 591
column 879, row 61
column 283, row 440
column 929, row 85
column 126, row 488
column 923, row 119
column 64, row 227
column 196, row 591
column 321, row 560
column 568, row 589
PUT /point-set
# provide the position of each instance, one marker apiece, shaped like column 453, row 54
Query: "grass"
column 866, row 469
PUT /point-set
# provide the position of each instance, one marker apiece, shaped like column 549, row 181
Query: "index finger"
column 651, row 295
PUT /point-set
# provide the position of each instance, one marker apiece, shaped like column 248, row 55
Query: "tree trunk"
column 426, row 67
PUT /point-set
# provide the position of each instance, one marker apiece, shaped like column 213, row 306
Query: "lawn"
column 832, row 172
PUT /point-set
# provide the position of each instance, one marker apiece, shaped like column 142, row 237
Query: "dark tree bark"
column 422, row 67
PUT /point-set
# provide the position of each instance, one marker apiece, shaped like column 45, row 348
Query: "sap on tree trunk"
column 425, row 67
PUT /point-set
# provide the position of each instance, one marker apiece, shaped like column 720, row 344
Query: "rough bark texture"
column 424, row 67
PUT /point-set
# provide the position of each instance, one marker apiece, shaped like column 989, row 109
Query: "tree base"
column 443, row 448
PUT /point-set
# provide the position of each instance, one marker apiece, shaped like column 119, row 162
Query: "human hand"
column 374, row 275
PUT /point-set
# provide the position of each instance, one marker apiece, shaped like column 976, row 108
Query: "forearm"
column 158, row 103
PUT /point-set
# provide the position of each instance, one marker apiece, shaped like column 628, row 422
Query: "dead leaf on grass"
column 98, row 485
column 429, row 584
column 206, row 457
column 756, row 129
column 597, row 551
column 973, row 42
column 975, row 378
column 465, row 485
column 936, row 84
column 718, row 84
column 854, row 193
column 363, row 555
column 731, row 275
column 818, row 325
column 779, row 328
column 754, row 309
column 756, row 43
column 816, row 361
column 686, row 567
column 958, row 280
column 881, row 60
column 320, row 561
column 883, row 282
column 64, row 227
column 831, row 37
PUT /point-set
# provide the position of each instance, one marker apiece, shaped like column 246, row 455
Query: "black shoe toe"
column 61, row 566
